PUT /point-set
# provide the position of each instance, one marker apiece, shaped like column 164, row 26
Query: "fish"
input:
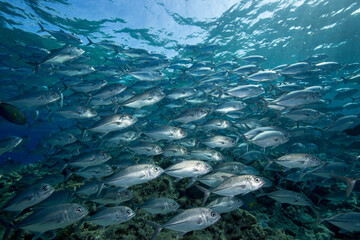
column 28, row 197
column 111, row 123
column 75, row 70
column 246, row 91
column 213, row 179
column 298, row 160
column 112, row 216
column 191, row 115
column 34, row 99
column 8, row 144
column 263, row 76
column 253, row 59
column 144, row 99
column 348, row 221
column 62, row 36
column 297, row 98
column 89, row 159
column 174, row 150
column 159, row 206
column 235, row 185
column 207, row 155
column 12, row 114
column 134, row 175
column 188, row 168
column 111, row 196
column 219, row 141
column 225, row 204
column 77, row 112
column 59, row 56
column 98, row 171
column 166, row 133
column 187, row 221
column 145, row 148
column 51, row 218
column 290, row 197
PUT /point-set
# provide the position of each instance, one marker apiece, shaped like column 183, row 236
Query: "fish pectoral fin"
column 178, row 179
column 181, row 234
column 172, row 170
column 36, row 235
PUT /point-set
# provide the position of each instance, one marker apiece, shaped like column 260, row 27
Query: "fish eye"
column 127, row 193
column 79, row 210
column 156, row 169
column 257, row 180
column 213, row 214
column 128, row 212
column 45, row 188
column 174, row 204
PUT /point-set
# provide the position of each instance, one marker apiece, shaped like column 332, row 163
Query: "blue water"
column 283, row 31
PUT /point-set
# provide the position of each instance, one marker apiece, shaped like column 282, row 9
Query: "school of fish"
column 225, row 129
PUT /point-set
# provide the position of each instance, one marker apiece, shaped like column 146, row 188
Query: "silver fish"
column 246, row 91
column 160, row 206
column 214, row 178
column 98, row 171
column 34, row 99
column 51, row 218
column 290, row 197
column 187, row 221
column 189, row 168
column 173, row 150
column 112, row 216
column 112, row 196
column 134, row 175
column 29, row 197
column 89, row 159
column 207, row 155
column 219, row 141
column 225, row 204
column 166, row 133
column 113, row 123
column 77, row 112
column 8, row 144
column 236, row 185
column 298, row 160
column 147, row 98
column 191, row 115
column 70, row 38
column 349, row 221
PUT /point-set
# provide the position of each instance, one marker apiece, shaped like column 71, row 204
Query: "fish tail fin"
column 80, row 198
column 319, row 219
column 136, row 207
column 83, row 130
column 68, row 174
column 269, row 162
column 167, row 118
column 350, row 183
column 157, row 227
column 192, row 181
column 90, row 42
column 36, row 65
column 9, row 227
column 206, row 194
column 101, row 185
column 106, row 59
column 42, row 29
column 345, row 80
